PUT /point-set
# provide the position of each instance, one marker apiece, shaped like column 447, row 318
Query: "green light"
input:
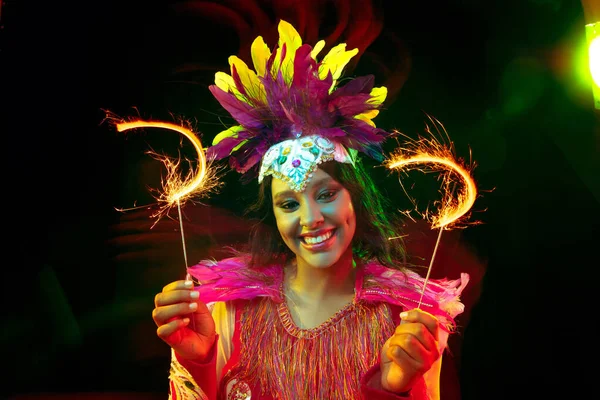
column 592, row 32
column 594, row 50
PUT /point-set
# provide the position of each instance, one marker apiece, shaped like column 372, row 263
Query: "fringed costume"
column 262, row 354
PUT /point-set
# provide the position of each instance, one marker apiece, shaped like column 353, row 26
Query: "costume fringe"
column 322, row 363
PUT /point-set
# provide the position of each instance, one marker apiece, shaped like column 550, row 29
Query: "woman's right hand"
column 184, row 322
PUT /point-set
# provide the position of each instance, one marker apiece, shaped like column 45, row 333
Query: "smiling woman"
column 323, row 304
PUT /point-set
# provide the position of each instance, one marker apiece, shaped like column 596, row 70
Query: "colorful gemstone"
column 314, row 151
column 281, row 160
column 286, row 151
column 296, row 163
column 307, row 144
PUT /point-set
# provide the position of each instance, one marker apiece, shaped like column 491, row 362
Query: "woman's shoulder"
column 405, row 288
column 233, row 279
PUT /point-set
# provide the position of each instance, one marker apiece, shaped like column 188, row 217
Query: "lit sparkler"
column 177, row 189
column 458, row 196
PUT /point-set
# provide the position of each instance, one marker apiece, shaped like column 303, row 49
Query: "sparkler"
column 431, row 154
column 177, row 190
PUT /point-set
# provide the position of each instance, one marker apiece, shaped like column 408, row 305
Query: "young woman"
column 322, row 306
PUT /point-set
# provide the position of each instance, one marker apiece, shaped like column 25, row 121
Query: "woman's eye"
column 288, row 205
column 327, row 195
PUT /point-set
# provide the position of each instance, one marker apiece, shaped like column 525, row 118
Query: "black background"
column 80, row 276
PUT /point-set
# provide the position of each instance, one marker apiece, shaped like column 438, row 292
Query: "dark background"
column 80, row 277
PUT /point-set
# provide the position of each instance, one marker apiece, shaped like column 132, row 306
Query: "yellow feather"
column 335, row 61
column 317, row 49
column 231, row 132
column 378, row 95
column 236, row 148
column 289, row 36
column 371, row 114
column 366, row 118
column 250, row 81
column 260, row 54
column 224, row 82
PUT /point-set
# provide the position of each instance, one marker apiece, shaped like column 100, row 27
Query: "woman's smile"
column 320, row 241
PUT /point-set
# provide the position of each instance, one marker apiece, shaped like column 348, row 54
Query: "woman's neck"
column 318, row 284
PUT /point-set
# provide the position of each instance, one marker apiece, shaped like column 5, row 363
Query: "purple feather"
column 243, row 113
column 334, row 132
column 362, row 84
column 349, row 106
column 238, row 82
column 248, row 155
column 223, row 148
column 304, row 66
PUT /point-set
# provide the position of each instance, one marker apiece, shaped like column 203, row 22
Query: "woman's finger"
column 417, row 315
column 178, row 285
column 419, row 331
column 407, row 348
column 175, row 296
column 166, row 330
column 163, row 315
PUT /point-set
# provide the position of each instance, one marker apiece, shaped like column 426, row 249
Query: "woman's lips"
column 324, row 245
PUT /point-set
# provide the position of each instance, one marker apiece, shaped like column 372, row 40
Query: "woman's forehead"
column 319, row 178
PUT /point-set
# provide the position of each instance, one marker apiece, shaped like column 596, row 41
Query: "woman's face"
column 317, row 224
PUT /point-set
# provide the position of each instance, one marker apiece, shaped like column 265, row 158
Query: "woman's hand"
column 184, row 323
column 410, row 352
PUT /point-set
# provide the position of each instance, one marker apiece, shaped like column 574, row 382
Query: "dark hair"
column 373, row 227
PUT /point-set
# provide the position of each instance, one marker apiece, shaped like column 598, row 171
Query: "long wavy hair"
column 373, row 227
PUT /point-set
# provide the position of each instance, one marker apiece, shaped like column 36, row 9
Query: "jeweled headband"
column 292, row 114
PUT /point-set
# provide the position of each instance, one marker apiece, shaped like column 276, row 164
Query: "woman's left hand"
column 410, row 352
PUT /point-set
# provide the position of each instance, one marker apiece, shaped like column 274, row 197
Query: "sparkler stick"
column 432, row 155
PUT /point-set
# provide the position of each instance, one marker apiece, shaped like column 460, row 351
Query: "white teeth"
column 318, row 239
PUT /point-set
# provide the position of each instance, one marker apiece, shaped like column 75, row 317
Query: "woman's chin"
column 320, row 260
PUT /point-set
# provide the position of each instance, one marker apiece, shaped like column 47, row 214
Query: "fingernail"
column 194, row 295
column 193, row 306
column 186, row 321
column 189, row 284
column 403, row 314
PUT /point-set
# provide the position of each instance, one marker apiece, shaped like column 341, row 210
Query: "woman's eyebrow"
column 322, row 182
column 318, row 183
column 284, row 193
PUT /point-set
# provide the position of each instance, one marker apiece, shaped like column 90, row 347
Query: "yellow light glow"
column 431, row 155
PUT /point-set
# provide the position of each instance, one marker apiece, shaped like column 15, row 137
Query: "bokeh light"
column 592, row 32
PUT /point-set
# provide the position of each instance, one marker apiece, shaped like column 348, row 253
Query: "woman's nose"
column 311, row 216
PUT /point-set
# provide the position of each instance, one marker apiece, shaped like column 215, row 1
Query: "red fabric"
column 205, row 374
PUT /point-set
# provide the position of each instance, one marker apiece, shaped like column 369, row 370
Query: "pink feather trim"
column 231, row 279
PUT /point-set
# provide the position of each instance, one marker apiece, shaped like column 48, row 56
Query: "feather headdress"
column 291, row 95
